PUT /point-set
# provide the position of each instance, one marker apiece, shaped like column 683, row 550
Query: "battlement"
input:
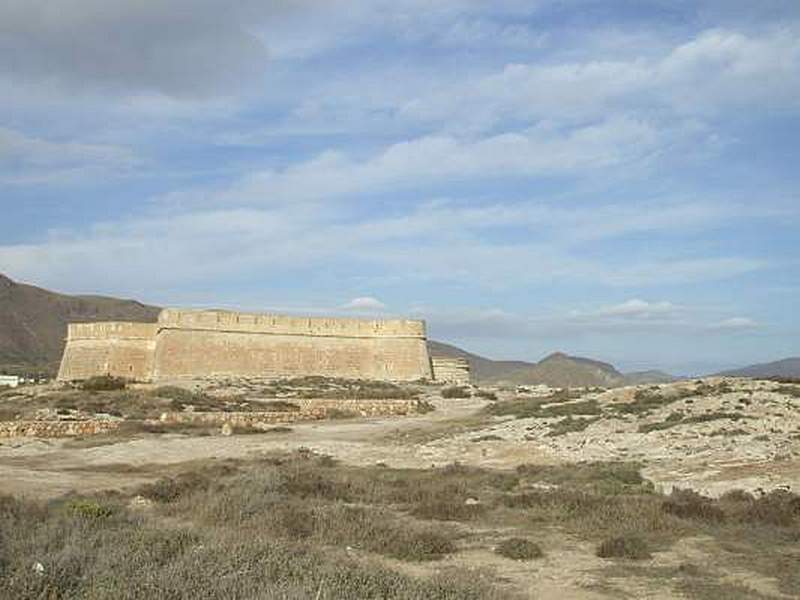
column 120, row 330
column 239, row 322
column 218, row 343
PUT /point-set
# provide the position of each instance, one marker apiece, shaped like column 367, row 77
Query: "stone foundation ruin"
column 214, row 343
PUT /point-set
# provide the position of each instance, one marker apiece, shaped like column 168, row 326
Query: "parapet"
column 111, row 330
column 238, row 322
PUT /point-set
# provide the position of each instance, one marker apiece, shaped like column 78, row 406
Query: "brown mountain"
column 557, row 370
column 484, row 370
column 788, row 368
column 561, row 370
column 652, row 376
column 33, row 323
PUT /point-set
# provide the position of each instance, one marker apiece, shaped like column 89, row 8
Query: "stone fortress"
column 185, row 344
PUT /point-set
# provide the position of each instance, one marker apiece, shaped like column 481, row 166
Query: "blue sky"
column 611, row 179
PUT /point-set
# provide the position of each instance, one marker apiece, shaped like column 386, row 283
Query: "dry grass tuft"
column 519, row 549
column 629, row 546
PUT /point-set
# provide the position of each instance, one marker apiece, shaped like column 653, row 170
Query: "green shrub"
column 519, row 549
column 688, row 504
column 779, row 508
column 629, row 546
column 173, row 392
column 448, row 509
column 103, row 383
column 486, row 395
column 167, row 489
column 558, row 404
column 424, row 407
column 89, row 509
column 456, row 391
column 341, row 413
column 569, row 425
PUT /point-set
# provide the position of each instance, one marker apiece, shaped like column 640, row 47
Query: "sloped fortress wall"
column 219, row 343
column 113, row 348
column 450, row 369
column 192, row 343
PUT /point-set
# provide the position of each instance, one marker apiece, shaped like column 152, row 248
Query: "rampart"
column 203, row 343
column 451, row 369
column 112, row 348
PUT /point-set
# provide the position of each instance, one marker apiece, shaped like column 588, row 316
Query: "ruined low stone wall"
column 310, row 410
column 55, row 429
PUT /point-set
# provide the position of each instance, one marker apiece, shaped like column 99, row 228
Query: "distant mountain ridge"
column 33, row 327
column 482, row 369
column 788, row 367
column 33, row 322
column 556, row 370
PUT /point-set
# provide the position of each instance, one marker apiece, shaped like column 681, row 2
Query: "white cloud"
column 628, row 318
column 27, row 159
column 539, row 150
column 427, row 244
column 365, row 303
column 639, row 309
column 735, row 323
column 716, row 71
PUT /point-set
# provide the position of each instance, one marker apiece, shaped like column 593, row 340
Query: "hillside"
column 557, row 370
column 483, row 369
column 561, row 370
column 33, row 322
column 788, row 368
column 647, row 377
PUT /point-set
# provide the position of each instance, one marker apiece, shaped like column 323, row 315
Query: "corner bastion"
column 216, row 343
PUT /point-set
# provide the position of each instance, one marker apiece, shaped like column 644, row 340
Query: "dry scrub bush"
column 336, row 388
column 570, row 425
column 456, row 391
column 519, row 549
column 103, row 383
column 688, row 504
column 127, row 556
column 559, row 404
column 625, row 546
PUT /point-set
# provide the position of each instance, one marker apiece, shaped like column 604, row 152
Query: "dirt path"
column 46, row 468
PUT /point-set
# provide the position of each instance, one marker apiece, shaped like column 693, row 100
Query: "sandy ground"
column 764, row 457
column 46, row 468
column 43, row 468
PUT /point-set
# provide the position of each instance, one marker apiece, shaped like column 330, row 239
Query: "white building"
column 9, row 380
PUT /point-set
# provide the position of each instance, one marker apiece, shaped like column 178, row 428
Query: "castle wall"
column 229, row 321
column 114, row 348
column 451, row 370
column 190, row 353
column 193, row 343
